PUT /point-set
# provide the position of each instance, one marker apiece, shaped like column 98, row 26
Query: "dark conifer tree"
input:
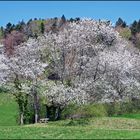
column 42, row 27
column 134, row 27
column 138, row 26
column 120, row 23
column 63, row 19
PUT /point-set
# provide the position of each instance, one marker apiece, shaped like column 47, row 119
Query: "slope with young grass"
column 8, row 110
column 92, row 128
column 107, row 128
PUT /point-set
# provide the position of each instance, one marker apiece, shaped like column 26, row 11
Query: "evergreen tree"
column 9, row 28
column 20, row 26
column 71, row 20
column 138, row 26
column 42, row 27
column 63, row 19
column 29, row 21
column 55, row 18
column 120, row 23
column 77, row 19
column 134, row 27
column 8, row 25
column 124, row 24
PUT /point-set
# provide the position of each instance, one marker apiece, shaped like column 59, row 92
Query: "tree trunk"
column 36, row 107
column 36, row 104
column 20, row 102
column 58, row 113
column 21, row 119
column 36, row 117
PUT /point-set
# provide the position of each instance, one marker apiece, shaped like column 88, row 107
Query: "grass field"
column 8, row 110
column 124, row 127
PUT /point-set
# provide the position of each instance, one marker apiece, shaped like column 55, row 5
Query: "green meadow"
column 117, row 127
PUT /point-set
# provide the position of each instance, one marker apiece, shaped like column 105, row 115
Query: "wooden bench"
column 43, row 120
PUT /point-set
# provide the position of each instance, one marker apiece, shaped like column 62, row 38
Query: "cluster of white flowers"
column 61, row 95
column 100, row 65
column 93, row 54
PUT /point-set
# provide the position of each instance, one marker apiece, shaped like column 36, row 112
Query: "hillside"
column 95, row 128
column 15, row 34
column 8, row 110
column 83, row 75
column 86, row 63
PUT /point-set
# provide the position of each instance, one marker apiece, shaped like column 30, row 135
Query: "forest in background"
column 14, row 34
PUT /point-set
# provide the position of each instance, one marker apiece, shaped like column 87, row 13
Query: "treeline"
column 35, row 27
column 130, row 32
column 12, row 35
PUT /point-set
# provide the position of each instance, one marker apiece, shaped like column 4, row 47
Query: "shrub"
column 84, row 111
column 124, row 32
column 3, row 89
column 94, row 110
column 120, row 108
column 78, row 122
column 69, row 111
column 113, row 108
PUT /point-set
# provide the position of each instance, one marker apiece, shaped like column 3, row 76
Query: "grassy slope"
column 115, row 127
column 8, row 110
column 132, row 116
column 98, row 128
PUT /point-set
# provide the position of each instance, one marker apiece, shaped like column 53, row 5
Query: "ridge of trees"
column 13, row 34
column 130, row 32
column 85, row 63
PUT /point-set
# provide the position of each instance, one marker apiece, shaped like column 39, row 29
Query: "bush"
column 124, row 32
column 69, row 111
column 94, row 110
column 120, row 108
column 113, row 108
column 84, row 111
column 3, row 89
column 74, row 112
column 78, row 122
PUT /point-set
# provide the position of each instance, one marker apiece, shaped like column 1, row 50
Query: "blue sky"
column 15, row 11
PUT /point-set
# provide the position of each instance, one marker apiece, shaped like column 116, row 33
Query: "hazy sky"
column 15, row 11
